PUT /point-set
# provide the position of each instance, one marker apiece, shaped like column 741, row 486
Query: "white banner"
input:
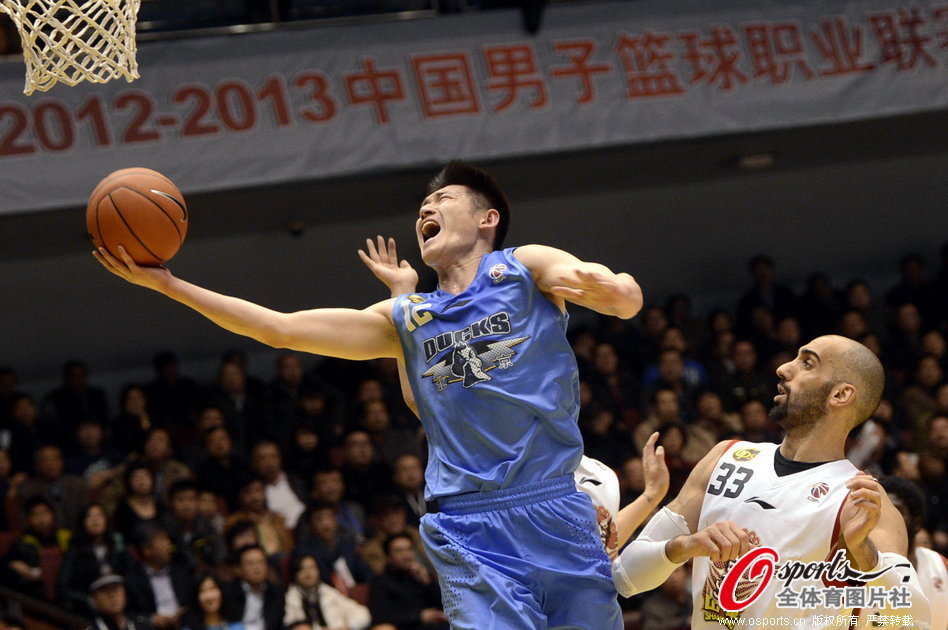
column 237, row 111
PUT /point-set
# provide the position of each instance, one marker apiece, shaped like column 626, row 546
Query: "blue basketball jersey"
column 495, row 381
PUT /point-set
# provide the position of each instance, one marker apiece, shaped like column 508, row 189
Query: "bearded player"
column 802, row 498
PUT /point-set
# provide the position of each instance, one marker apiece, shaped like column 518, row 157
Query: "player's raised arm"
column 656, row 486
column 668, row 539
column 381, row 257
column 565, row 277
column 336, row 332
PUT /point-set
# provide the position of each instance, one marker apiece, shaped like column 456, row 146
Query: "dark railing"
column 30, row 608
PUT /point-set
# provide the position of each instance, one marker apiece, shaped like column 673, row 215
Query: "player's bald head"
column 857, row 365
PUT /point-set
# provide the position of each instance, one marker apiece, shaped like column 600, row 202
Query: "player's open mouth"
column 429, row 229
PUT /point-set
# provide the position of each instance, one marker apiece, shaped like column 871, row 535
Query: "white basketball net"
column 70, row 41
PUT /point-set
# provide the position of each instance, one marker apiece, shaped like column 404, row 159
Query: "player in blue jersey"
column 497, row 387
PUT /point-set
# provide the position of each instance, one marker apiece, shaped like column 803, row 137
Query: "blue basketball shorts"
column 521, row 558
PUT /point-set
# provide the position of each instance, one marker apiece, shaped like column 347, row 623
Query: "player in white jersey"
column 792, row 506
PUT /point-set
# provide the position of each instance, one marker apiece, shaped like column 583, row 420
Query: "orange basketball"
column 141, row 210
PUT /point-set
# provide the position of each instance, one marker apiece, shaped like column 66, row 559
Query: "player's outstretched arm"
column 656, row 486
column 565, row 277
column 337, row 332
column 381, row 258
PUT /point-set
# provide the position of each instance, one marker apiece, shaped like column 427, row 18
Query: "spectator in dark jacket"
column 406, row 595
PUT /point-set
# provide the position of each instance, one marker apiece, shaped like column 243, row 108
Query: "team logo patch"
column 469, row 362
column 745, row 454
column 818, row 491
column 416, row 299
column 498, row 273
column 468, row 354
column 744, row 587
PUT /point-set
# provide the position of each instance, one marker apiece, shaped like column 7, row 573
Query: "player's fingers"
column 365, row 258
column 382, row 248
column 105, row 263
column 392, row 252
column 112, row 262
column 731, row 545
column 370, row 247
column 650, row 444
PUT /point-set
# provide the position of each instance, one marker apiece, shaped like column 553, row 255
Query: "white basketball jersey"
column 932, row 569
column 797, row 515
column 602, row 485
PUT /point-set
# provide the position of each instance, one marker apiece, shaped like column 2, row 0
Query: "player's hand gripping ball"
column 141, row 210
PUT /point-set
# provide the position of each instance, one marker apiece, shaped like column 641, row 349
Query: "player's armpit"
column 689, row 500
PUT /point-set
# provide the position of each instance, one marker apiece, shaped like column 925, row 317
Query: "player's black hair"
column 457, row 173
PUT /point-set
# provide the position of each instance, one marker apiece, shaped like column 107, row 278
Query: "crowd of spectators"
column 294, row 498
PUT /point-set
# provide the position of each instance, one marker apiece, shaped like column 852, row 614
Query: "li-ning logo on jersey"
column 498, row 273
column 746, row 454
column 467, row 358
column 818, row 491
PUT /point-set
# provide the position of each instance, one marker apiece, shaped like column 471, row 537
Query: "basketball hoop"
column 70, row 41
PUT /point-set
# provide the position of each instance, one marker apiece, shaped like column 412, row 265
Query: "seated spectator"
column 765, row 291
column 157, row 454
column 747, row 382
column 339, row 562
column 21, row 566
column 409, row 479
column 222, row 471
column 669, row 606
column 208, row 610
column 107, row 598
column 285, row 492
column 195, row 540
column 9, row 486
column 95, row 549
column 934, row 344
column 272, row 533
column 75, row 400
column 365, row 475
column 389, row 442
column 209, row 508
column 918, row 398
column 172, row 398
column 713, row 424
column 904, row 347
column 758, row 427
column 388, row 519
column 253, row 598
column 92, row 459
column 613, row 387
column 665, row 408
column 694, row 373
column 242, row 399
column 671, row 375
column 133, row 422
column 307, row 453
column 631, row 480
column 933, row 467
column 313, row 602
column 406, row 595
column 602, row 440
column 157, row 586
column 283, row 394
column 330, row 487
column 239, row 535
column 25, row 432
column 68, row 494
column 672, row 438
column 192, row 451
column 859, row 298
column 139, row 504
